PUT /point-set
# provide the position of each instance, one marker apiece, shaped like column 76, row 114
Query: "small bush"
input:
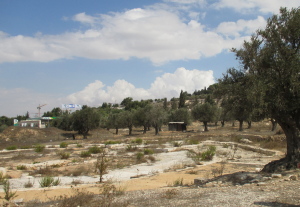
column 25, row 147
column 237, row 138
column 195, row 156
column 85, row 154
column 95, row 150
column 192, row 172
column 140, row 157
column 56, row 182
column 7, row 191
column 225, row 145
column 11, row 148
column 2, row 178
column 49, row 181
column 78, row 198
column 63, row 145
column 151, row 158
column 45, row 171
column 138, row 141
column 170, row 193
column 209, row 153
column 218, row 171
column 63, row 155
column 46, row 181
column 28, row 184
column 79, row 171
column 21, row 167
column 193, row 141
column 3, row 127
column 39, row 148
column 131, row 148
column 177, row 144
column 101, row 164
column 178, row 182
column 148, row 152
column 79, row 145
column 112, row 142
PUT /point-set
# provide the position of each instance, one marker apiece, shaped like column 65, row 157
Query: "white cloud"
column 168, row 85
column 264, row 6
column 157, row 35
column 84, row 18
column 157, row 32
column 241, row 27
column 18, row 101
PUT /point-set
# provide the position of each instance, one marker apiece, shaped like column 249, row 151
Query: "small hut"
column 177, row 126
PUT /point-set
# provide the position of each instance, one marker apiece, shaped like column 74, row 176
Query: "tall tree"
column 85, row 120
column 142, row 117
column 114, row 120
column 182, row 98
column 235, row 92
column 127, row 119
column 158, row 117
column 271, row 58
column 204, row 113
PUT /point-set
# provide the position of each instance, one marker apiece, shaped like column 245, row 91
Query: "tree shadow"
column 275, row 204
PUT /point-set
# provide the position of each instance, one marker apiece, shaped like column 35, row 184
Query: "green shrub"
column 85, row 154
column 11, row 148
column 2, row 178
column 138, row 141
column 25, row 147
column 46, row 181
column 225, row 145
column 193, row 141
column 95, row 150
column 7, row 191
column 63, row 145
column 148, row 152
column 21, row 167
column 39, row 148
column 131, row 148
column 49, row 181
column 195, row 156
column 56, row 182
column 177, row 144
column 139, row 156
column 209, row 153
column 3, row 127
column 63, row 155
column 178, row 182
column 112, row 142
column 79, row 145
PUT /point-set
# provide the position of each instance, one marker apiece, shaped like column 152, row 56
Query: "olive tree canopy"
column 271, row 58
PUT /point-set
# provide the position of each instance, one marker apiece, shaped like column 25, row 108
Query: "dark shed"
column 177, row 126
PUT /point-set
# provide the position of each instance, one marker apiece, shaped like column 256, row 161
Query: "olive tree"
column 204, row 113
column 271, row 58
column 85, row 120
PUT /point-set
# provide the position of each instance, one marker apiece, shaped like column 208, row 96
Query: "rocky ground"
column 232, row 178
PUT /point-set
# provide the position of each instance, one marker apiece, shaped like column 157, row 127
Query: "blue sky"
column 58, row 52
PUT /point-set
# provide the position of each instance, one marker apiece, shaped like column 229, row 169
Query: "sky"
column 87, row 52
